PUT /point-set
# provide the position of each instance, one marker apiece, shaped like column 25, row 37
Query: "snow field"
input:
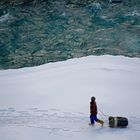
column 52, row 101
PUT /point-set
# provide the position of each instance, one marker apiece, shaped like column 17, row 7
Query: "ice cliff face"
column 80, row 2
column 35, row 32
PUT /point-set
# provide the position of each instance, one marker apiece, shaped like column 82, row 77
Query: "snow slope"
column 51, row 101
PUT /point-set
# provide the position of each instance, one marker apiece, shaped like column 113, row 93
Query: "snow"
column 51, row 101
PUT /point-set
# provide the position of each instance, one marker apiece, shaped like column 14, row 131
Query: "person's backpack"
column 118, row 122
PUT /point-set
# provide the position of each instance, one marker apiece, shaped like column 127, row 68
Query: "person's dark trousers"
column 93, row 118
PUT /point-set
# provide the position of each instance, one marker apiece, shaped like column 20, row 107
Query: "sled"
column 120, row 122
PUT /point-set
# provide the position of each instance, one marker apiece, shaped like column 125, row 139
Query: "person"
column 93, row 112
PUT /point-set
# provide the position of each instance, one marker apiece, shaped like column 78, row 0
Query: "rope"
column 103, row 114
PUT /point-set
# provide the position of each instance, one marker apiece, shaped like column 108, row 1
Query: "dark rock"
column 116, row 1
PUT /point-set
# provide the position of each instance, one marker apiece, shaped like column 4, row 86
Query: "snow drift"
column 51, row 101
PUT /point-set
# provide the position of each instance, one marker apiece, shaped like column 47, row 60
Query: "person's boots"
column 101, row 122
column 91, row 124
